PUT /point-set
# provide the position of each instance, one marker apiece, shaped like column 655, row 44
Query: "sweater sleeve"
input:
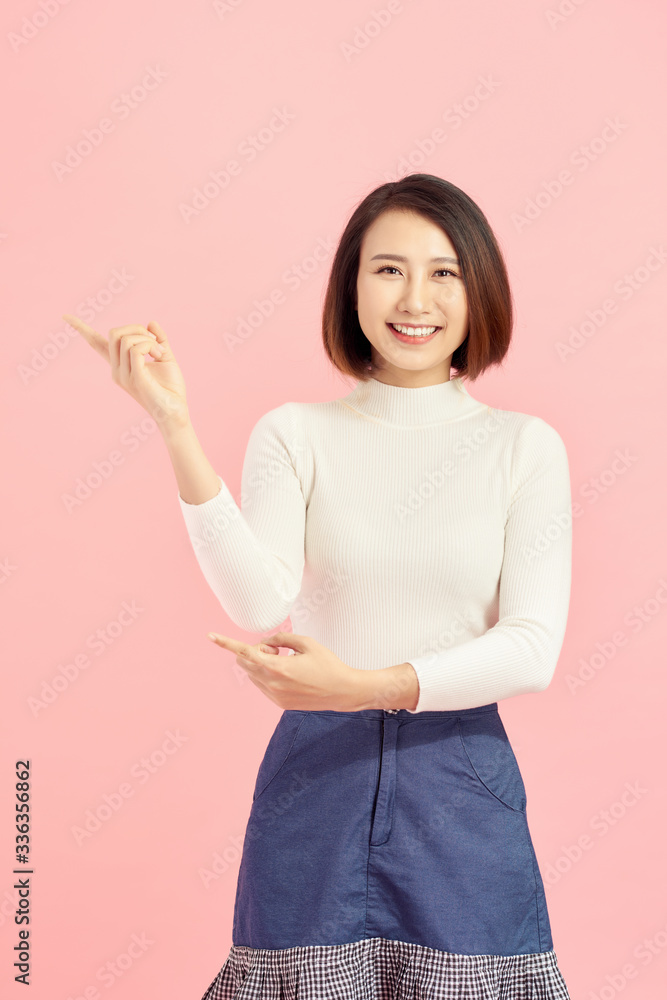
column 252, row 555
column 518, row 654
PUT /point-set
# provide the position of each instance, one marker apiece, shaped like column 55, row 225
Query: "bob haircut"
column 483, row 271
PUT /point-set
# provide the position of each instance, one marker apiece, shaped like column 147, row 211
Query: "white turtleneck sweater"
column 401, row 525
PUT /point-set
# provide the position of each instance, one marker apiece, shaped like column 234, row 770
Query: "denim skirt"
column 387, row 854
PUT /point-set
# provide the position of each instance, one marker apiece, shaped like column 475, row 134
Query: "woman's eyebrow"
column 403, row 260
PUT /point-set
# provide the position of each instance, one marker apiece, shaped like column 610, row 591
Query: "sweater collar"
column 399, row 406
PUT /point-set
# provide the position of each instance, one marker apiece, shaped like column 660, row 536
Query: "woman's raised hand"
column 158, row 386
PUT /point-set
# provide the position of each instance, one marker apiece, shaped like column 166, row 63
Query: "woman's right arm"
column 197, row 479
column 252, row 553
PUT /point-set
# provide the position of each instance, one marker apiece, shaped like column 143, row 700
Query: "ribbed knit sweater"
column 401, row 525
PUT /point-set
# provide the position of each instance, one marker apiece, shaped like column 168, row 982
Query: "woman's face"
column 415, row 291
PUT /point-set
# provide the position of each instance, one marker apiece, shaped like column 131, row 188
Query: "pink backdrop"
column 551, row 115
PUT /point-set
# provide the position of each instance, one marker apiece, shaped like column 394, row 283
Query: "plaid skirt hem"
column 383, row 969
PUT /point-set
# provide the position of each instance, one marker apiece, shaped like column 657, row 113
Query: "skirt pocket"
column 279, row 748
column 491, row 758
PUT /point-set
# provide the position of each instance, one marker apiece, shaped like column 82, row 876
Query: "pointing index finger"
column 243, row 649
column 95, row 339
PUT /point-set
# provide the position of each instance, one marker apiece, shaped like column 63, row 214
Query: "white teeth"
column 420, row 331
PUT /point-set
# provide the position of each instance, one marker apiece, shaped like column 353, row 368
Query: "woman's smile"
column 421, row 335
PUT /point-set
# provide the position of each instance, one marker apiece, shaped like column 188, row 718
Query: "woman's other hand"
column 312, row 679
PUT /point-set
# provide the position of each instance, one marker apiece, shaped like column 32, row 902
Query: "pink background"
column 364, row 100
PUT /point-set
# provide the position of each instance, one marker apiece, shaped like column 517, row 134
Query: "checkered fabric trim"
column 382, row 969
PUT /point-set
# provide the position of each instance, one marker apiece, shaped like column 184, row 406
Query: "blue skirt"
column 387, row 854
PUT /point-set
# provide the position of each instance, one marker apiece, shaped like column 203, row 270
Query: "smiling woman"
column 414, row 256
column 387, row 851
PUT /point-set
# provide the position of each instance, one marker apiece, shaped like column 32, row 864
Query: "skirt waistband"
column 401, row 713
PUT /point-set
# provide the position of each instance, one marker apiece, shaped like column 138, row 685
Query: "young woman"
column 421, row 542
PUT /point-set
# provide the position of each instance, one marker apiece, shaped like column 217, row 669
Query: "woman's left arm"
column 520, row 652
column 516, row 656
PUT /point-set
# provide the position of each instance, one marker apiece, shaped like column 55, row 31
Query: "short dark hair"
column 483, row 271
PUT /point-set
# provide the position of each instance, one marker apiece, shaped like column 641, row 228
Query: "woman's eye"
column 389, row 267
